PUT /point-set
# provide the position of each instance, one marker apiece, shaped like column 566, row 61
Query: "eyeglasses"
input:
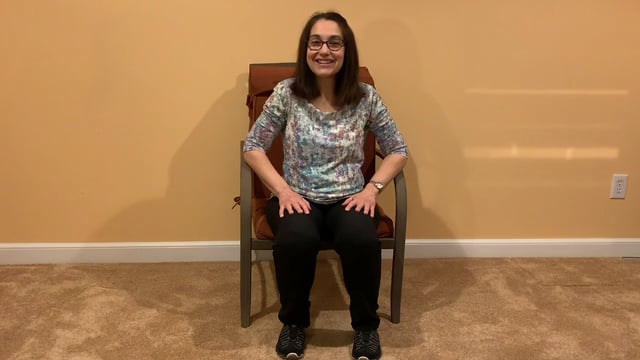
column 334, row 44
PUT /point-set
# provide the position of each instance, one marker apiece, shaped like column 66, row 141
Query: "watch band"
column 378, row 185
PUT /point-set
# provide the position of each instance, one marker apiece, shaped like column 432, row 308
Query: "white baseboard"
column 569, row 247
column 189, row 251
column 114, row 252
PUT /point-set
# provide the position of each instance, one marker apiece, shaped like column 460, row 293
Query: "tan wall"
column 121, row 119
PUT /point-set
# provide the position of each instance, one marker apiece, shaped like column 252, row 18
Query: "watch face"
column 378, row 185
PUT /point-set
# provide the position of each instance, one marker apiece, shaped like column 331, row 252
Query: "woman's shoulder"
column 369, row 91
column 284, row 85
column 368, row 88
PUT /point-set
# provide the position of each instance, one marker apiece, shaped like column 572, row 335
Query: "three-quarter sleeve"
column 271, row 121
column 384, row 128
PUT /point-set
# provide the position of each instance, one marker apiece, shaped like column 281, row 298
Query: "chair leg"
column 396, row 286
column 245, row 241
column 245, row 287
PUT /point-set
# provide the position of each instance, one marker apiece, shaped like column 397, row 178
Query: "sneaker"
column 366, row 345
column 291, row 342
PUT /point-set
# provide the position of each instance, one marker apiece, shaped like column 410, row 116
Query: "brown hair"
column 347, row 89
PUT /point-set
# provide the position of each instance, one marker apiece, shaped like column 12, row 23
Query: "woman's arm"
column 392, row 145
column 261, row 165
column 366, row 200
column 390, row 166
column 289, row 200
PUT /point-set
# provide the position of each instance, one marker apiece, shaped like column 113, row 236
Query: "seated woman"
column 324, row 114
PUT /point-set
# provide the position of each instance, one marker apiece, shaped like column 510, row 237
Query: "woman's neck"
column 327, row 90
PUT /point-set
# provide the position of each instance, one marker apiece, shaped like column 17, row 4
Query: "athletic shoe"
column 366, row 345
column 290, row 344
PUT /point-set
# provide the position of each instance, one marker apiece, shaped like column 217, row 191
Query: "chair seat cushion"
column 263, row 230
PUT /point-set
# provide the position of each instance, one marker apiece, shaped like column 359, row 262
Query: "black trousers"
column 297, row 242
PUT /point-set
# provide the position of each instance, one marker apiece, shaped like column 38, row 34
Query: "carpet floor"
column 506, row 308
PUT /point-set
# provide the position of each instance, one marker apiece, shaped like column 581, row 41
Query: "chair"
column 254, row 195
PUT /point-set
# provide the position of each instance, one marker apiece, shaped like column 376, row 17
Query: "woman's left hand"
column 364, row 201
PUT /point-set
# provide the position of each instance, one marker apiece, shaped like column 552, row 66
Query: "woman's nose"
column 324, row 49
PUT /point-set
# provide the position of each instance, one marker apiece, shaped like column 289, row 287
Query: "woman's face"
column 325, row 48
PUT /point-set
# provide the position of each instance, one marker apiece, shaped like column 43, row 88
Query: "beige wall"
column 120, row 120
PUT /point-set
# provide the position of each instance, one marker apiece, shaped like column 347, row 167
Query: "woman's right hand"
column 291, row 201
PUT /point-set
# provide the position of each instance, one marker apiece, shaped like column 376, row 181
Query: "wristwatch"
column 378, row 185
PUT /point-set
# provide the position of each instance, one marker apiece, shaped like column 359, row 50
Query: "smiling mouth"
column 324, row 61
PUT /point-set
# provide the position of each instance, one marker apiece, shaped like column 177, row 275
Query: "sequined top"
column 324, row 151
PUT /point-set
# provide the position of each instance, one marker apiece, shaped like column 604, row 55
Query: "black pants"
column 296, row 247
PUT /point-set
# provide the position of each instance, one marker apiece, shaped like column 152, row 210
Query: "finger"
column 281, row 211
column 349, row 206
column 306, row 207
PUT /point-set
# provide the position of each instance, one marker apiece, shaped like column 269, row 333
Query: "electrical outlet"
column 618, row 186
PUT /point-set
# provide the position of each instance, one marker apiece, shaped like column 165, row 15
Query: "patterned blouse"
column 324, row 151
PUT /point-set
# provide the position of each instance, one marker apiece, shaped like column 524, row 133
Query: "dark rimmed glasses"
column 333, row 44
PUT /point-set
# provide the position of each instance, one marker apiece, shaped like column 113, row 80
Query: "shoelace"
column 364, row 336
column 296, row 335
column 293, row 336
column 366, row 342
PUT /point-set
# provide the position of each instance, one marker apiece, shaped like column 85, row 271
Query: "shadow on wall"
column 435, row 173
column 194, row 190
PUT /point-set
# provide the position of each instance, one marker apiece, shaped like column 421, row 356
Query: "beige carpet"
column 452, row 309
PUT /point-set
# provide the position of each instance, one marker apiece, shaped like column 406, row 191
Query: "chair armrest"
column 400, row 231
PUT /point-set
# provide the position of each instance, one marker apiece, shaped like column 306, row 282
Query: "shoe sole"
column 365, row 358
column 291, row 356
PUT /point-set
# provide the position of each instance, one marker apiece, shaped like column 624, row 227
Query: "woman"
column 324, row 114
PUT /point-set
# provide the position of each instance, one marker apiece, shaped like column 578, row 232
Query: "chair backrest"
column 262, row 79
